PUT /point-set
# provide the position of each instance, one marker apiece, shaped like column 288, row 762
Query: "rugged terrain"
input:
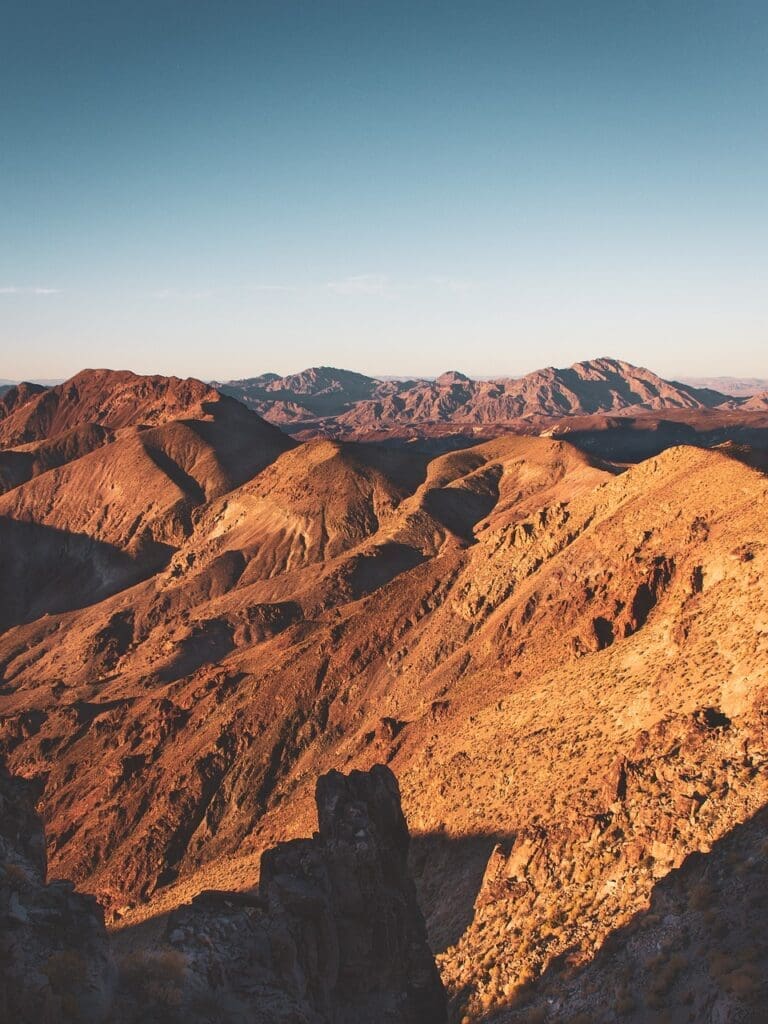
column 333, row 935
column 101, row 477
column 338, row 403
column 559, row 650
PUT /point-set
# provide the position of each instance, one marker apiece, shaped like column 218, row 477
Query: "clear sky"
column 223, row 188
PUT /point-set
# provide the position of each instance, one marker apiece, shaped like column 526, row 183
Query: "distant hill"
column 336, row 402
column 739, row 387
column 318, row 392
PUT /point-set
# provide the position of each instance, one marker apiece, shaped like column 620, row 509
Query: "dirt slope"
column 100, row 499
column 564, row 665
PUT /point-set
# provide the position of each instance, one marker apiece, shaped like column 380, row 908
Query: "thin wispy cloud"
column 458, row 286
column 361, row 284
column 356, row 285
column 180, row 293
column 272, row 288
column 12, row 289
column 382, row 285
column 220, row 291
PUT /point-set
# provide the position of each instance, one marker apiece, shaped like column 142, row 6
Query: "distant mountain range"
column 340, row 403
column 331, row 402
column 741, row 387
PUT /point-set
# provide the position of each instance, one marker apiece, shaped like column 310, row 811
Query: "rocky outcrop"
column 569, row 889
column 55, row 963
column 334, row 934
column 698, row 954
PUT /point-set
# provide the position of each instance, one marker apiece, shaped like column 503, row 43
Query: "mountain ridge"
column 342, row 403
column 558, row 650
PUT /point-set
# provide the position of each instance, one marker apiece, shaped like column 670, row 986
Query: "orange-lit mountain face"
column 557, row 643
column 101, row 477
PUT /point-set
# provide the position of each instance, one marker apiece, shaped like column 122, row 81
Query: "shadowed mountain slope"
column 97, row 471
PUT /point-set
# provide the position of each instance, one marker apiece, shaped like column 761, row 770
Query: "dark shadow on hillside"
column 448, row 872
column 44, row 570
column 244, row 443
column 635, row 439
column 379, row 565
column 15, row 469
column 698, row 954
column 458, row 508
column 176, row 473
column 405, row 467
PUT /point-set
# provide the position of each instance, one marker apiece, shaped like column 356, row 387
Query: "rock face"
column 55, row 963
column 677, row 824
column 334, row 936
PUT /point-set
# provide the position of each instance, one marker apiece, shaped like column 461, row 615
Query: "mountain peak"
column 452, row 377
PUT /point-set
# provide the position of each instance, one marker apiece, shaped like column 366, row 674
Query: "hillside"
column 560, row 658
column 104, row 491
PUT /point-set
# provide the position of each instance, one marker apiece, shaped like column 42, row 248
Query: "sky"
column 224, row 188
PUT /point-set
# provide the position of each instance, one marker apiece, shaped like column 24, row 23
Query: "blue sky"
column 225, row 188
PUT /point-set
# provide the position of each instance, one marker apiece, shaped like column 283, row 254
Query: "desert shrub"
column 15, row 875
column 154, row 979
column 666, row 974
column 169, row 965
column 701, row 896
column 163, row 965
column 743, row 983
column 217, row 1007
column 64, row 971
column 163, row 994
column 624, row 1003
column 536, row 1015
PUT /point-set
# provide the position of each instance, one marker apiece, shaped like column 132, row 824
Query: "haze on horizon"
column 220, row 190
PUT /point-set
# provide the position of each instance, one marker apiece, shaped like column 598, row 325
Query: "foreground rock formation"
column 55, row 963
column 333, row 935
